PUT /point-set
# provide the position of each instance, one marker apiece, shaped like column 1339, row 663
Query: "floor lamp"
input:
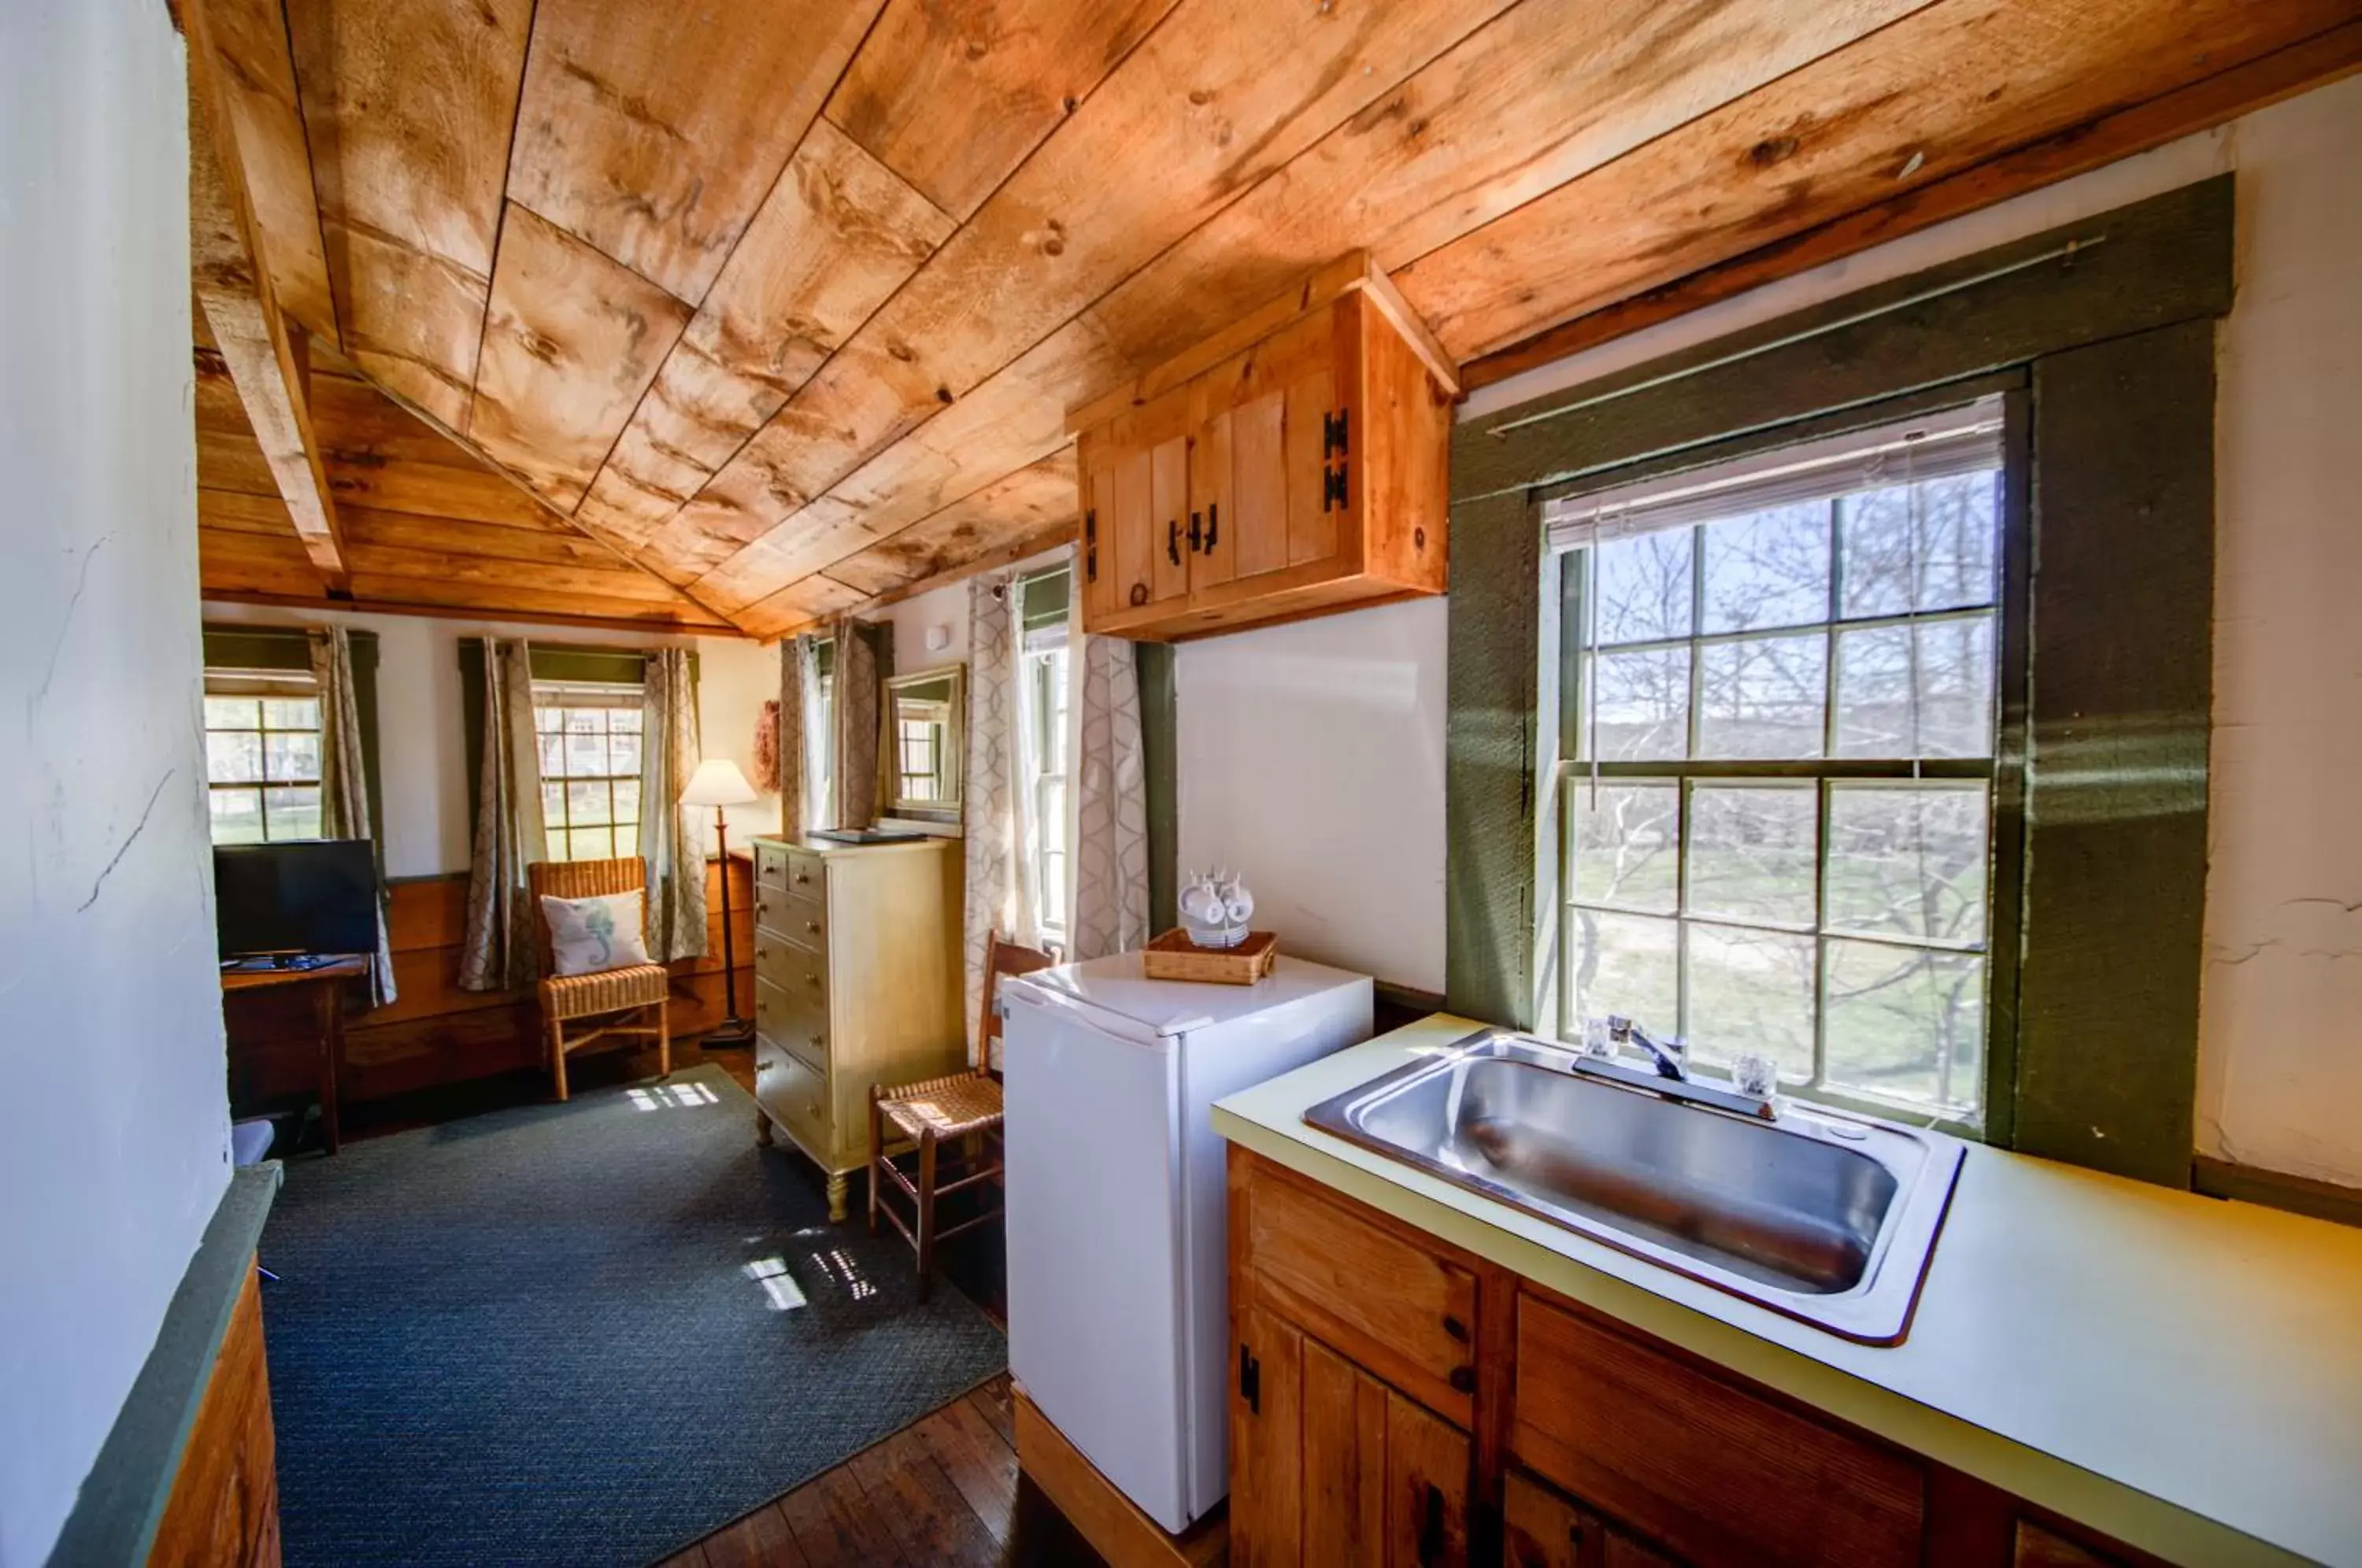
column 718, row 783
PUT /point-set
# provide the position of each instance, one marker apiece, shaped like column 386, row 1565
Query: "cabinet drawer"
column 1717, row 1472
column 807, row 872
column 1385, row 1302
column 794, row 1092
column 793, row 967
column 799, row 920
column 770, row 866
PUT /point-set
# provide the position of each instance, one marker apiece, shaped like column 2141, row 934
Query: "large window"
column 589, row 737
column 1043, row 697
column 1779, row 796
column 262, row 756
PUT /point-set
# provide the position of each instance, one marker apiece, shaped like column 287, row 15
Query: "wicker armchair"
column 622, row 998
column 963, row 1110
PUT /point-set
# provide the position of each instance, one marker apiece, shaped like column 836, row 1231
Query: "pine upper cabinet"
column 1291, row 466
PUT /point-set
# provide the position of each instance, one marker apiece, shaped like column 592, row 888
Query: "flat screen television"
column 305, row 896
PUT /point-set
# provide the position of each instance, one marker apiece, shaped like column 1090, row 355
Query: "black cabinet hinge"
column 1332, row 488
column 1332, row 434
column 1251, row 1380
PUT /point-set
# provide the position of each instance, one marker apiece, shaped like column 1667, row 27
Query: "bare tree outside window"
column 1778, row 811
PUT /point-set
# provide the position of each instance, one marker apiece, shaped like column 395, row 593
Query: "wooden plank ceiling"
column 782, row 306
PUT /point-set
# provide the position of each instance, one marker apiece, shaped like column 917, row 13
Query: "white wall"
column 941, row 609
column 422, row 739
column 114, row 1133
column 2280, row 1049
column 1311, row 763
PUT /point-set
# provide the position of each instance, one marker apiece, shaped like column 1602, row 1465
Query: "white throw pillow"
column 587, row 936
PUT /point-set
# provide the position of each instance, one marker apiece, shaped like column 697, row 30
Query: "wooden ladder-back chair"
column 963, row 1110
column 623, row 998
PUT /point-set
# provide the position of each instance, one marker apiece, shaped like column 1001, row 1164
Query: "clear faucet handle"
column 1598, row 1040
column 1754, row 1073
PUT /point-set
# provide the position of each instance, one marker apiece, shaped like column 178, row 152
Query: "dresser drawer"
column 770, row 866
column 790, row 965
column 1310, row 1260
column 800, row 1023
column 803, row 921
column 795, row 1093
column 1715, row 1471
column 807, row 872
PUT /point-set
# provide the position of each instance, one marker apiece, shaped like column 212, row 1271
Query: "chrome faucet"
column 1667, row 1058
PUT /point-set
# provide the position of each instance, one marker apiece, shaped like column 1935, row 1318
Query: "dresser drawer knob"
column 1456, row 1329
column 1463, row 1379
column 812, row 926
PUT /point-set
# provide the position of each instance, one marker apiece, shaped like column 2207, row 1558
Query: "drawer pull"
column 811, row 980
column 1463, row 1379
column 803, row 878
column 1456, row 1329
column 812, row 926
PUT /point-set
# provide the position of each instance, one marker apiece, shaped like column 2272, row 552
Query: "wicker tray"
column 1173, row 957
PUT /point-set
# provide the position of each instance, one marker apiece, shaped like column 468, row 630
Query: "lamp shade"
column 718, row 782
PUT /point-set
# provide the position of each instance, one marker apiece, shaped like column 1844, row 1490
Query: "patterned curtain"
column 498, row 952
column 992, row 819
column 1111, row 827
column 344, row 779
column 799, row 702
column 856, row 771
column 672, row 840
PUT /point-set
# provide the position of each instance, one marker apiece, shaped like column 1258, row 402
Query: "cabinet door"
column 1426, row 1487
column 1344, row 1470
column 1213, row 536
column 1137, row 534
column 1101, row 596
column 1266, row 1442
column 1257, row 513
column 1314, row 515
column 1544, row 1529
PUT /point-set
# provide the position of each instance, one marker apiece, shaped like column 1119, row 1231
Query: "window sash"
column 1788, row 477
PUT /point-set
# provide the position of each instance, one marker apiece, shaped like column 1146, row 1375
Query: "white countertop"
column 2181, row 1373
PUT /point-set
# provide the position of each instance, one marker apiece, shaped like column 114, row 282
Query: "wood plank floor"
column 944, row 1489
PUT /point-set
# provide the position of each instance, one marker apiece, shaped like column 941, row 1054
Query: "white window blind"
column 1957, row 441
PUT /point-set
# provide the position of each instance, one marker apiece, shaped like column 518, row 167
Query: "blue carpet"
column 549, row 1335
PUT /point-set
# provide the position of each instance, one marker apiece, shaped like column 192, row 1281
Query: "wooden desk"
column 328, row 981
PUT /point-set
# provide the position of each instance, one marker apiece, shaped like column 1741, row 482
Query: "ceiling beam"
column 268, row 356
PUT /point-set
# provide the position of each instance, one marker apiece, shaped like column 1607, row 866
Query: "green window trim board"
column 551, row 661
column 289, row 647
column 2109, row 323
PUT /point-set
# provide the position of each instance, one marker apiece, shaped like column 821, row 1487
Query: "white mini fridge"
column 1119, row 1312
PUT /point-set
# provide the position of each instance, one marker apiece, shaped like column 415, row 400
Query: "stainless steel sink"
column 1827, row 1216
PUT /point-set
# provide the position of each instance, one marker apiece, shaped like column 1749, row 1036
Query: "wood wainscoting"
column 435, row 1033
column 224, row 1507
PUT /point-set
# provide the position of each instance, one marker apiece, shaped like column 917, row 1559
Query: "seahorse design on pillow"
column 599, row 921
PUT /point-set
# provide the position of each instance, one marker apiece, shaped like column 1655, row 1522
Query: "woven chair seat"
column 609, row 991
column 949, row 1107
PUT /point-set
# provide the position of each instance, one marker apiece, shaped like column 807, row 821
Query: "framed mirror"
column 926, row 743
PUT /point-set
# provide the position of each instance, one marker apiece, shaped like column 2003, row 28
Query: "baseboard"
column 2275, row 1190
column 1111, row 1521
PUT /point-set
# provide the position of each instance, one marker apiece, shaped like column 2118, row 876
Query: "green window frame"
column 271, row 664
column 2105, row 330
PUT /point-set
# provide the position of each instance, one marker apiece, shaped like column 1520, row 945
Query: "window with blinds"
column 1778, row 789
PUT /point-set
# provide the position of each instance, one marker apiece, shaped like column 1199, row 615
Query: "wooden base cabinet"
column 1291, row 467
column 1401, row 1402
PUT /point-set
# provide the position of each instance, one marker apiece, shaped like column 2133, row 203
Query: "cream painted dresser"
column 856, row 982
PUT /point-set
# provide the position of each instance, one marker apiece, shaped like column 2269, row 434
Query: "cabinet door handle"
column 1251, row 1380
column 1213, row 525
column 1197, row 532
column 1173, row 539
column 1431, row 1528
